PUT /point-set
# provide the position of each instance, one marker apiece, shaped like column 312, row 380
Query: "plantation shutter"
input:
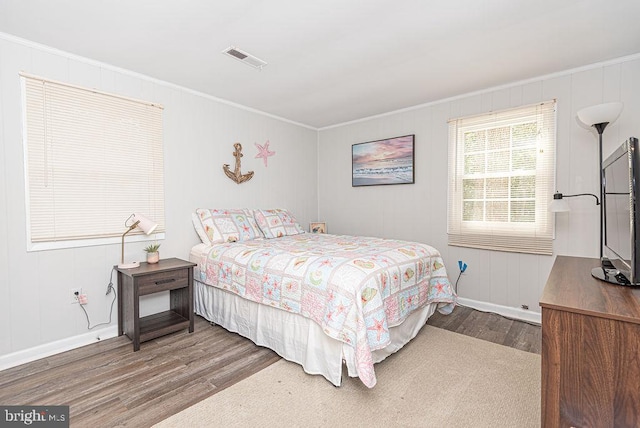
column 501, row 179
column 92, row 159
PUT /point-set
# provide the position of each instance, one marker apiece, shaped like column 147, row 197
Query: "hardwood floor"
column 491, row 327
column 108, row 385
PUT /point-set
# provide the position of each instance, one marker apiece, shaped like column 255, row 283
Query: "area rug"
column 439, row 379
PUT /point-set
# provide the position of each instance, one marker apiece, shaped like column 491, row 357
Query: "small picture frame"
column 318, row 227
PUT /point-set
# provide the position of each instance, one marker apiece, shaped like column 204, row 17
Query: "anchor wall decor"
column 236, row 175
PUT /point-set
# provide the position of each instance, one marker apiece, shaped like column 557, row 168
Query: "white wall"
column 303, row 176
column 419, row 211
column 199, row 133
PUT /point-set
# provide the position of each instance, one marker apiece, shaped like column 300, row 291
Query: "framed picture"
column 380, row 162
column 318, row 227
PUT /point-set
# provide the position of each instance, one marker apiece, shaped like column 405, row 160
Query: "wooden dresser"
column 590, row 349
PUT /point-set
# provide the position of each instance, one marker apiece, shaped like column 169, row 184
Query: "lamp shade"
column 601, row 113
column 558, row 206
column 147, row 225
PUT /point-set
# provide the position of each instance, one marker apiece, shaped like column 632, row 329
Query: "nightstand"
column 173, row 275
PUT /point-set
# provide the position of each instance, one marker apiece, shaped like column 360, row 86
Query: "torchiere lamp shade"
column 601, row 113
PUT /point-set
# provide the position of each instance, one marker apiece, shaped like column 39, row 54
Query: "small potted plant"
column 153, row 256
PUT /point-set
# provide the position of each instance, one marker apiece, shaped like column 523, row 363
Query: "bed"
column 316, row 299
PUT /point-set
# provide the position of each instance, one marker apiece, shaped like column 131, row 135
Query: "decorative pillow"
column 227, row 225
column 277, row 223
column 197, row 225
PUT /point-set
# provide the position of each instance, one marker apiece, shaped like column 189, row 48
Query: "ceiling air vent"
column 244, row 57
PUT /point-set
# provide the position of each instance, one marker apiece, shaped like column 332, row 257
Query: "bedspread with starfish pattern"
column 355, row 288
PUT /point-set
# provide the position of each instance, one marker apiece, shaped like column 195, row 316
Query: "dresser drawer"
column 163, row 281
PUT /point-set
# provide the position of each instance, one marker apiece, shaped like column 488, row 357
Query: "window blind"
column 92, row 159
column 501, row 179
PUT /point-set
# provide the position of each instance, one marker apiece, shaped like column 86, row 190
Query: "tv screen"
column 621, row 173
column 618, row 226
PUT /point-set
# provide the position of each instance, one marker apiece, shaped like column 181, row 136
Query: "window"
column 501, row 179
column 91, row 160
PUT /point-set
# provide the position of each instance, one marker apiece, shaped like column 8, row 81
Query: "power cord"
column 110, row 288
column 455, row 286
column 462, row 266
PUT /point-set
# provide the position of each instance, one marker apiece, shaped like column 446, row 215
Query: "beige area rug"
column 440, row 379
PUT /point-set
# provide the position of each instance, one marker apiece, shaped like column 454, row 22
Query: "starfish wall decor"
column 264, row 152
column 236, row 175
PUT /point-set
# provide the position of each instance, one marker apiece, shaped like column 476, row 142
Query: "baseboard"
column 52, row 348
column 42, row 351
column 507, row 311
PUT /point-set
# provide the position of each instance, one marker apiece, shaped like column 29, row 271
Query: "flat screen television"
column 621, row 262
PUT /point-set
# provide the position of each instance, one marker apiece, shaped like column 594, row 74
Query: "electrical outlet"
column 75, row 293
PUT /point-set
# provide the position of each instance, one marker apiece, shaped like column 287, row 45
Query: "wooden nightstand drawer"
column 163, row 281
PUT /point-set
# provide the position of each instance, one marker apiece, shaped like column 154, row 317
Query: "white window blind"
column 501, row 179
column 92, row 159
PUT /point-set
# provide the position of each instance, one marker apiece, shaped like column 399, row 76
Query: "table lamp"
column 147, row 226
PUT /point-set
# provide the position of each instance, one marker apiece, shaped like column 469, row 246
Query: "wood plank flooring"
column 491, row 327
column 108, row 385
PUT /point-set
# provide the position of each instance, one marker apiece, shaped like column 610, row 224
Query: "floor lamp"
column 599, row 116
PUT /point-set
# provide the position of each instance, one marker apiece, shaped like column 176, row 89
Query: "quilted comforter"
column 355, row 288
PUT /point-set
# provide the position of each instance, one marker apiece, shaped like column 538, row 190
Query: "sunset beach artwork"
column 387, row 161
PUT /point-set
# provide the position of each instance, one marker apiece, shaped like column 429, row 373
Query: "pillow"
column 197, row 225
column 226, row 225
column 277, row 223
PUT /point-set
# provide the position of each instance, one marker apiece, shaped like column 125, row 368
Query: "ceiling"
column 333, row 61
